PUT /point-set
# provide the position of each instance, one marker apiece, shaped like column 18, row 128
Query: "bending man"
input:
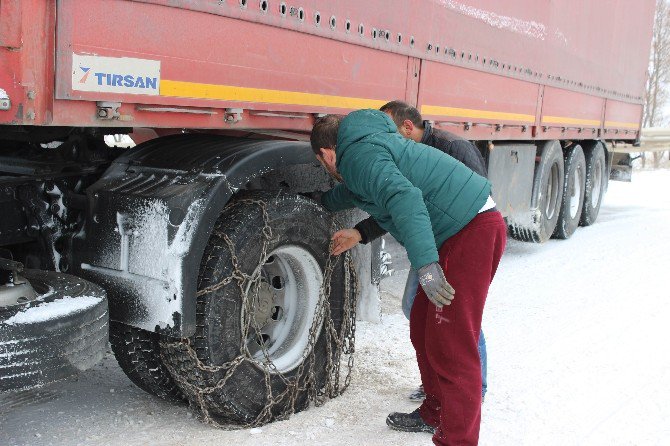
column 411, row 125
column 442, row 212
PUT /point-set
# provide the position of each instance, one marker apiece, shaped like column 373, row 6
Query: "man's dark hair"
column 399, row 111
column 324, row 133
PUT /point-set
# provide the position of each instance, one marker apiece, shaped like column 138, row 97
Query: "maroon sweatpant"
column 446, row 340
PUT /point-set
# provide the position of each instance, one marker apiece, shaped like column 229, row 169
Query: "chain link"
column 339, row 342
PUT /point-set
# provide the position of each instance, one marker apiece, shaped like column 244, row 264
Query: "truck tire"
column 596, row 182
column 138, row 353
column 219, row 369
column 63, row 331
column 538, row 226
column 573, row 192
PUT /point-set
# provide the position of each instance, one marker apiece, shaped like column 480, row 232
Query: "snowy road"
column 576, row 333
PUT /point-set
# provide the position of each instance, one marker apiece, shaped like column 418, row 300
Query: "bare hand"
column 344, row 240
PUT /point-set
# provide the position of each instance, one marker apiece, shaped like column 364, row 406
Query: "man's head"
column 406, row 118
column 324, row 140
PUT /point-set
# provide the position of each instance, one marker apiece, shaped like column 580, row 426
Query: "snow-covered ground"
column 576, row 333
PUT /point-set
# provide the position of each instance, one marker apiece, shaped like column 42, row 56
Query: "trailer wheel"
column 596, row 182
column 60, row 330
column 573, row 192
column 263, row 268
column 546, row 198
column 138, row 353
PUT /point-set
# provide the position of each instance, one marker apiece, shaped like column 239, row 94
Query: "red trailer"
column 210, row 253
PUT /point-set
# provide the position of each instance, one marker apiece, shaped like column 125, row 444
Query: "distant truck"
column 207, row 253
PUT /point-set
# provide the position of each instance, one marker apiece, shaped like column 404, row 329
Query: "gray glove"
column 433, row 282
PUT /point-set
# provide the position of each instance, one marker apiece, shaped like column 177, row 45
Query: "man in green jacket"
column 441, row 211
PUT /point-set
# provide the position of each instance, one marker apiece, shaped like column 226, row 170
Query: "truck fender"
column 150, row 216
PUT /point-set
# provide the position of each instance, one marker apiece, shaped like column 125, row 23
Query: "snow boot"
column 409, row 422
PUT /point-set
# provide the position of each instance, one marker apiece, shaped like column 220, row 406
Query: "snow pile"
column 53, row 310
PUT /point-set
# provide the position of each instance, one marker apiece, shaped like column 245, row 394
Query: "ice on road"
column 577, row 335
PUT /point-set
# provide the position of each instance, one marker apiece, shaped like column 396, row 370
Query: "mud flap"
column 621, row 173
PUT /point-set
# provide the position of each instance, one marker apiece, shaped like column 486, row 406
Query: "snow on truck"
column 201, row 250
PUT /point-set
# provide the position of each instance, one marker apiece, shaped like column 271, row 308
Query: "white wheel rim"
column 552, row 191
column 576, row 193
column 286, row 308
column 596, row 184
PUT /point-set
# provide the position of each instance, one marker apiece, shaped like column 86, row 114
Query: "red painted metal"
column 27, row 60
column 490, row 64
column 617, row 111
column 579, row 107
column 476, row 93
column 10, row 24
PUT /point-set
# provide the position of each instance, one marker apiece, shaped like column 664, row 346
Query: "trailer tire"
column 596, row 182
column 62, row 332
column 138, row 353
column 203, row 362
column 546, row 197
column 573, row 192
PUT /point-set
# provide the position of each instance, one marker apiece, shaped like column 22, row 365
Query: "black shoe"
column 418, row 395
column 408, row 422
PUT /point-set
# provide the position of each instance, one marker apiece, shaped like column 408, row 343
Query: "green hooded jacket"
column 420, row 195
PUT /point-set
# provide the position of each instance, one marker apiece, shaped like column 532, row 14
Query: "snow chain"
column 339, row 343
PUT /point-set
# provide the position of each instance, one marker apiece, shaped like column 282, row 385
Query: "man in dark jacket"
column 442, row 212
column 411, row 125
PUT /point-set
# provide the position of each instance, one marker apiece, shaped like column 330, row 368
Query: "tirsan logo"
column 119, row 79
column 86, row 71
column 125, row 75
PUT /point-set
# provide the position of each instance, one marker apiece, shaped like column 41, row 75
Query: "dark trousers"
column 446, row 340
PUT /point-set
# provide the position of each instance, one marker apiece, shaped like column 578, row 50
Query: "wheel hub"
column 284, row 308
column 262, row 308
column 17, row 290
column 11, row 294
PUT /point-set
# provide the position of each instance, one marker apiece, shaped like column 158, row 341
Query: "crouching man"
column 442, row 213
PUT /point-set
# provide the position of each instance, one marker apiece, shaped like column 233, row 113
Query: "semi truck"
column 202, row 253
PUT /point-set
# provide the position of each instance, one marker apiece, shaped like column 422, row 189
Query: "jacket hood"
column 359, row 125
